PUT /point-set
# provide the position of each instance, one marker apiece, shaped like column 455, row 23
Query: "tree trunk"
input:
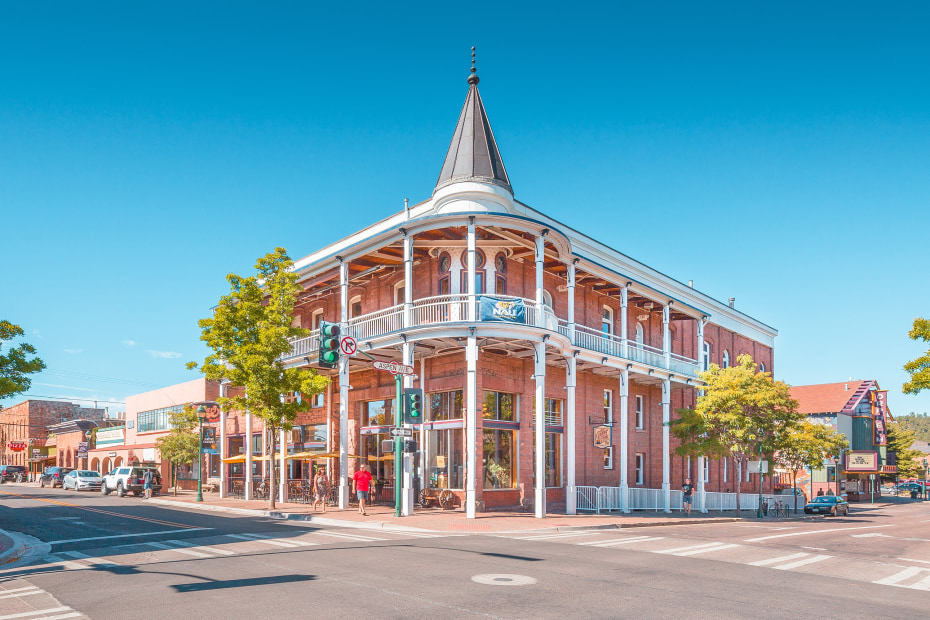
column 794, row 485
column 271, row 460
column 174, row 478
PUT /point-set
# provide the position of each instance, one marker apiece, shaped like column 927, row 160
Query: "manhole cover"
column 504, row 580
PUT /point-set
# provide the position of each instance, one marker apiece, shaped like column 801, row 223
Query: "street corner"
column 12, row 547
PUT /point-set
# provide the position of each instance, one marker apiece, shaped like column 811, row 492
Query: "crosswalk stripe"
column 182, row 543
column 276, row 543
column 293, row 542
column 165, row 547
column 18, row 594
column 690, row 548
column 36, row 612
column 354, row 537
column 73, row 614
column 783, row 558
column 623, row 541
column 811, row 560
column 706, row 550
column 923, row 584
column 55, row 559
column 19, row 589
column 77, row 555
column 899, row 576
column 552, row 536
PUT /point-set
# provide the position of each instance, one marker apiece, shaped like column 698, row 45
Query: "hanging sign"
column 17, row 446
column 881, row 409
column 208, row 444
column 82, row 450
column 212, row 414
column 497, row 309
column 603, row 436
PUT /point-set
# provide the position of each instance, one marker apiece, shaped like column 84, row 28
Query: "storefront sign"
column 862, row 461
column 496, row 309
column 109, row 437
column 36, row 452
column 603, row 436
column 111, row 454
column 17, row 446
column 211, row 411
column 881, row 408
column 82, row 450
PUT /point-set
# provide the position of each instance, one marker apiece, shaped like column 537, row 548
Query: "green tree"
column 806, row 446
column 741, row 413
column 249, row 333
column 16, row 366
column 900, row 440
column 181, row 446
column 919, row 369
column 919, row 423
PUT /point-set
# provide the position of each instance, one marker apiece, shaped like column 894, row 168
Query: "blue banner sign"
column 497, row 309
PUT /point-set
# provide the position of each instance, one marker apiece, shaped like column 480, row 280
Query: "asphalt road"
column 109, row 557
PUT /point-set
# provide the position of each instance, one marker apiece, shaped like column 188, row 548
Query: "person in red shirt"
column 362, row 479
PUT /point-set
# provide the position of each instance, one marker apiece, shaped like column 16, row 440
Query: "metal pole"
column 200, row 464
column 759, row 512
column 398, row 449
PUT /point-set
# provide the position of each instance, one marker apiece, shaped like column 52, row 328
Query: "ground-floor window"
column 553, row 460
column 380, row 462
column 446, row 460
column 500, row 459
column 706, row 469
column 640, row 461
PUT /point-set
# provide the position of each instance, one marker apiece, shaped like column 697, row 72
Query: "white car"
column 82, row 479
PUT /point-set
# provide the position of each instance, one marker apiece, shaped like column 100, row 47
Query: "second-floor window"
column 499, row 406
column 639, row 335
column 607, row 320
column 355, row 307
column 156, row 419
column 639, row 413
column 726, row 359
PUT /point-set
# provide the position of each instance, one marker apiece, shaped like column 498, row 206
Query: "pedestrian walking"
column 687, row 491
column 148, row 480
column 320, row 488
column 362, row 479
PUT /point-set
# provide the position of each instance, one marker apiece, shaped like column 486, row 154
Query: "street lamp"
column 836, row 473
column 201, row 416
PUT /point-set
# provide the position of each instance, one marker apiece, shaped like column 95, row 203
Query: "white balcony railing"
column 454, row 309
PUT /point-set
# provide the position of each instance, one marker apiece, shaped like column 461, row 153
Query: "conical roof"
column 473, row 154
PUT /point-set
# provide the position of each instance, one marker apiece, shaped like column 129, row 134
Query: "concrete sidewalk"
column 438, row 520
column 12, row 547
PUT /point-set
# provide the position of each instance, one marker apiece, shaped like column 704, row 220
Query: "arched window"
column 761, row 366
column 400, row 291
column 355, row 307
column 726, row 359
column 547, row 298
column 607, row 320
column 479, row 272
column 445, row 264
column 316, row 318
column 639, row 334
column 500, row 274
column 705, row 357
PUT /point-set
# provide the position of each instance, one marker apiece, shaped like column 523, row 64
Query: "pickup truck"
column 125, row 480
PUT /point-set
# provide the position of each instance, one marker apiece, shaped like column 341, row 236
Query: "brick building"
column 27, row 424
column 527, row 337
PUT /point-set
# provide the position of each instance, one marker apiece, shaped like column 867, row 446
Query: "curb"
column 12, row 545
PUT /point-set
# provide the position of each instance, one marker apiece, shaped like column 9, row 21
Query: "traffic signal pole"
column 398, row 448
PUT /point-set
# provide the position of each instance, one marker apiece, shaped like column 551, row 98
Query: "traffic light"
column 329, row 344
column 413, row 406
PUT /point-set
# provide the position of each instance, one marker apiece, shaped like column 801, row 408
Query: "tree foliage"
column 918, row 423
column 919, row 369
column 740, row 412
column 806, row 446
column 900, row 440
column 17, row 365
column 249, row 333
column 181, row 446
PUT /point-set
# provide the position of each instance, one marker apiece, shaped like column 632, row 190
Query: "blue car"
column 827, row 505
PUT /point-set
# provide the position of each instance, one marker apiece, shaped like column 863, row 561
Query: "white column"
column 571, row 367
column 408, row 279
column 471, row 264
column 666, row 461
column 223, row 465
column 344, row 391
column 702, row 496
column 624, row 296
column 571, row 308
column 282, row 486
column 624, row 440
column 666, row 335
column 406, row 476
column 248, row 453
column 424, row 449
column 540, row 468
column 540, row 257
column 471, row 423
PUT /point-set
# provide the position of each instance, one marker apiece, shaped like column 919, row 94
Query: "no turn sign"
column 348, row 346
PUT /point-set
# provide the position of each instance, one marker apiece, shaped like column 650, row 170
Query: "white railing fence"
column 596, row 499
column 586, row 498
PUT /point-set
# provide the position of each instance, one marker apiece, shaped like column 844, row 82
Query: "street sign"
column 348, row 346
column 393, row 367
column 401, row 432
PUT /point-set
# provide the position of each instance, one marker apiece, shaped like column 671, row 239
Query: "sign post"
column 398, row 370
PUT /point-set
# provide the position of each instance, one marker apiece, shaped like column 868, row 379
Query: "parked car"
column 52, row 476
column 80, row 479
column 908, row 488
column 128, row 480
column 10, row 473
column 828, row 505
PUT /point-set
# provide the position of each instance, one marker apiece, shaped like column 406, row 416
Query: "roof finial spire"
column 473, row 78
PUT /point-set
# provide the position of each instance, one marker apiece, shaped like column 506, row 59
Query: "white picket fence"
column 597, row 499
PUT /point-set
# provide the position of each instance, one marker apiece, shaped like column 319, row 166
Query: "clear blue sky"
column 779, row 155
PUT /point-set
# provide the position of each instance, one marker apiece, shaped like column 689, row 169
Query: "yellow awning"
column 386, row 457
column 235, row 459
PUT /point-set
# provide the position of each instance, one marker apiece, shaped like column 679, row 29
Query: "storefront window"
column 498, row 406
column 446, row 406
column 378, row 413
column 553, row 460
column 446, row 459
column 499, row 458
column 234, row 447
